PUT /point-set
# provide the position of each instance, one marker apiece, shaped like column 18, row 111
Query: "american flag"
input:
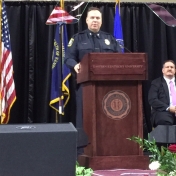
column 8, row 94
column 60, row 15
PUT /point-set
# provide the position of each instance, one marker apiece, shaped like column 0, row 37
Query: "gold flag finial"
column 62, row 4
column 117, row 3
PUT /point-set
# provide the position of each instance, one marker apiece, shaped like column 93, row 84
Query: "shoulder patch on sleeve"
column 70, row 42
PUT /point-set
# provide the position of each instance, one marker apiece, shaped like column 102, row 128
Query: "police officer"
column 90, row 40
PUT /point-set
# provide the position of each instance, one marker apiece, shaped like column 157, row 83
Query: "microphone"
column 125, row 48
column 121, row 44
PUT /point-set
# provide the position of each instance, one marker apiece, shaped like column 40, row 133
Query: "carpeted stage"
column 124, row 172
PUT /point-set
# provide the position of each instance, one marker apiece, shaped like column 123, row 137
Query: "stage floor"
column 124, row 172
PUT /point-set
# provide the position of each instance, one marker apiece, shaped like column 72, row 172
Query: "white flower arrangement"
column 154, row 165
column 163, row 160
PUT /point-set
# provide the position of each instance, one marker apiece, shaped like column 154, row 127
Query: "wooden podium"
column 112, row 109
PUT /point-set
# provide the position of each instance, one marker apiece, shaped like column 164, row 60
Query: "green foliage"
column 166, row 158
column 147, row 145
column 81, row 171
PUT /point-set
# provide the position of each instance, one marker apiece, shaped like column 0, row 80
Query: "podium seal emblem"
column 116, row 104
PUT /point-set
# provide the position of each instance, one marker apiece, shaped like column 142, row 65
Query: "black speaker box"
column 164, row 134
column 38, row 150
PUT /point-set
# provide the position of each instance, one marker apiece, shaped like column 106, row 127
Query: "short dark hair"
column 168, row 61
column 93, row 8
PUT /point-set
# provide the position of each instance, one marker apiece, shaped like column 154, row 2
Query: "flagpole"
column 60, row 58
column 0, row 62
column 59, row 116
column 57, row 120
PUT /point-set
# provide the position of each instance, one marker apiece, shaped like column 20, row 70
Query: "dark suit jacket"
column 158, row 97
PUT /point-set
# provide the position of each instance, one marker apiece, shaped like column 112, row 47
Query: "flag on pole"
column 60, row 93
column 7, row 87
column 58, row 15
column 163, row 14
column 118, row 27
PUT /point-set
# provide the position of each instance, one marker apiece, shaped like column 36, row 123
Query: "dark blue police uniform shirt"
column 86, row 42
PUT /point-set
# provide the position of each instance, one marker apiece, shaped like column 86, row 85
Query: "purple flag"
column 163, row 14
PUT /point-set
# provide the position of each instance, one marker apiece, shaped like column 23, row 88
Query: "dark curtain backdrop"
column 32, row 44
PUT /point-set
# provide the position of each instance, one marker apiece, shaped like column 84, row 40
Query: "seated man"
column 162, row 96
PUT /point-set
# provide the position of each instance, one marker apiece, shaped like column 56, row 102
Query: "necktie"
column 96, row 43
column 173, row 93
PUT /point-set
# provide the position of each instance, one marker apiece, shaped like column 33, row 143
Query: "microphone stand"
column 123, row 47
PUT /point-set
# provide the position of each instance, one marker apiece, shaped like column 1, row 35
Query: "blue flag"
column 60, row 93
column 118, row 29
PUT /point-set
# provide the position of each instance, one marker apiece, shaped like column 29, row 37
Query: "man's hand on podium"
column 77, row 68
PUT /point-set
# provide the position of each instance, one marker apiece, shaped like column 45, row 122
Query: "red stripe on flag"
column 4, row 58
